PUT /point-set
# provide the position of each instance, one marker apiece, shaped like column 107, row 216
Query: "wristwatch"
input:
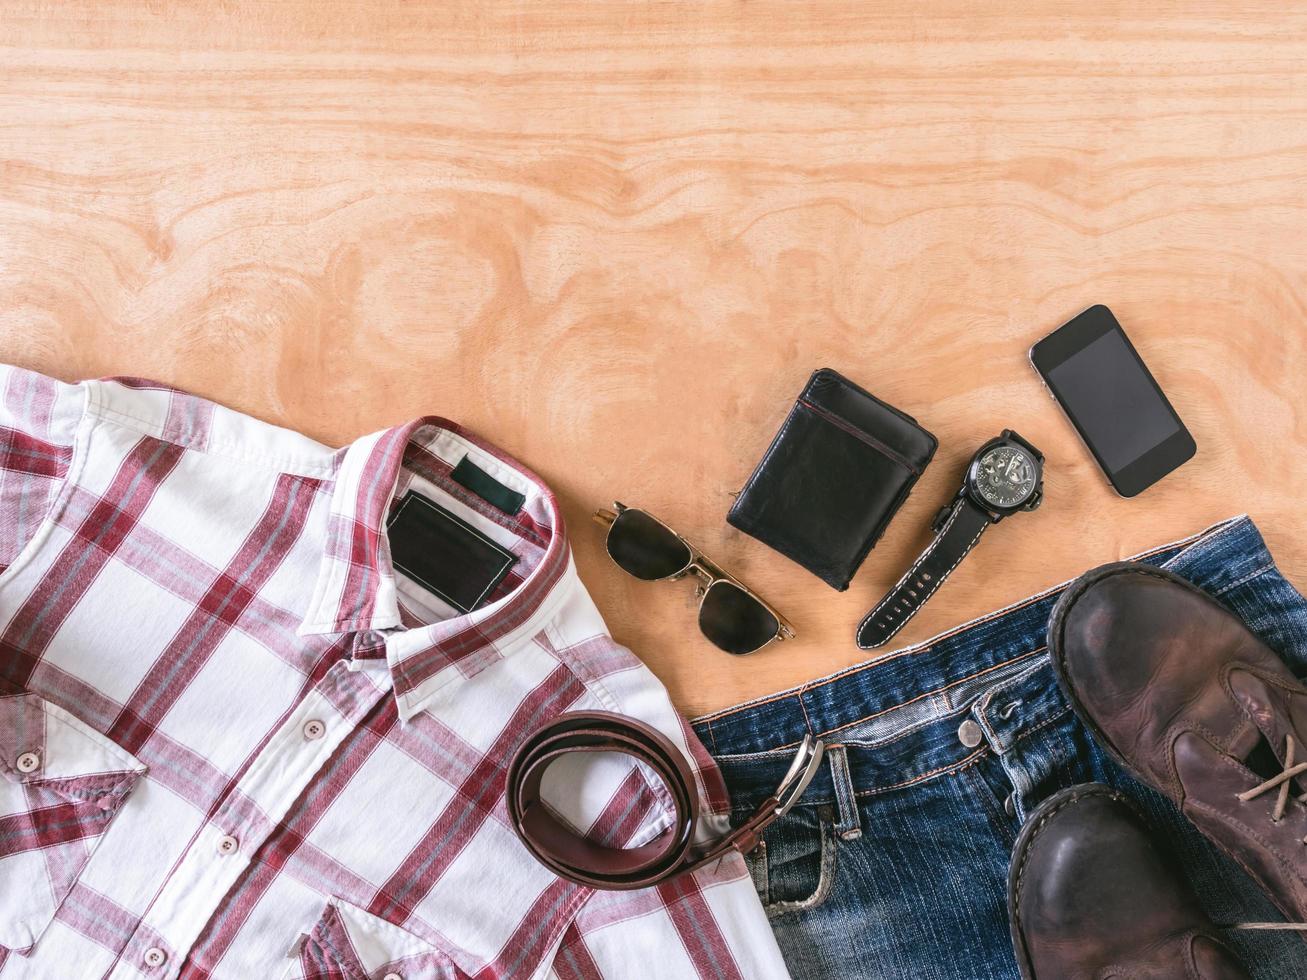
column 1005, row 475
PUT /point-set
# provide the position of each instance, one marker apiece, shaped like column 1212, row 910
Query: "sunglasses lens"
column 735, row 620
column 644, row 548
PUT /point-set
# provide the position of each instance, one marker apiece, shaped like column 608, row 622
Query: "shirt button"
column 314, row 729
column 29, row 762
column 227, row 844
column 969, row 734
column 154, row 956
column 392, row 976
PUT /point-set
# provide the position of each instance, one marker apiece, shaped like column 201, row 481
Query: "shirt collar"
column 355, row 588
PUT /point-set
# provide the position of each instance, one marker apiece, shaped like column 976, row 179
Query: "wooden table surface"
column 616, row 238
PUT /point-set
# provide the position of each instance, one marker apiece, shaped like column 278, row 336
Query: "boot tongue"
column 1274, row 713
column 1251, row 695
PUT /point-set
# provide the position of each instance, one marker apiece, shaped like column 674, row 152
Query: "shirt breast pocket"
column 61, row 784
column 350, row 942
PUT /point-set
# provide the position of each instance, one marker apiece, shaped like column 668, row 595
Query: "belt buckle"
column 802, row 769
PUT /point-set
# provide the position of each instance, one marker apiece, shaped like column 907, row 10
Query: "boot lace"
column 1281, row 783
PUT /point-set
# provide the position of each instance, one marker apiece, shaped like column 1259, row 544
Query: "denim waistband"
column 898, row 715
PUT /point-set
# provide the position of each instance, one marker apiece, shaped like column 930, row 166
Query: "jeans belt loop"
column 848, row 822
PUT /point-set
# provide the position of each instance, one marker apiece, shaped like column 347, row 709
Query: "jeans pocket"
column 794, row 866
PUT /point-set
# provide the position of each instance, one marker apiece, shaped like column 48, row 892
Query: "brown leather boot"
column 1187, row 699
column 1091, row 897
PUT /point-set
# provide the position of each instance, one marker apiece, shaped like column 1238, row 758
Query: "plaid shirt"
column 236, row 742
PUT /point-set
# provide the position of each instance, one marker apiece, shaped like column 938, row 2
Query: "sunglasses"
column 730, row 615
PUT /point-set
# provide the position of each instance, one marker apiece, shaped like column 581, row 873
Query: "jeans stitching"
column 849, row 826
column 998, row 817
column 825, row 876
column 1245, row 580
column 920, row 697
column 942, row 770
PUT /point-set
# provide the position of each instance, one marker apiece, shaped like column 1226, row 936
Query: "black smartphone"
column 1096, row 375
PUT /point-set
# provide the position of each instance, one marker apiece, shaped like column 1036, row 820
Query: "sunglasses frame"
column 704, row 569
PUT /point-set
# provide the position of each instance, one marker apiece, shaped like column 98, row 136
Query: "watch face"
column 1005, row 477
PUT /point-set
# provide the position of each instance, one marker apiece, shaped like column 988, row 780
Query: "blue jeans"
column 894, row 864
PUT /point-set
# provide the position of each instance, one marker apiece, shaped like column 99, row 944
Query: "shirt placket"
column 224, row 847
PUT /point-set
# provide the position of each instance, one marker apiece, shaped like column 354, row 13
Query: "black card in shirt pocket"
column 838, row 470
column 445, row 554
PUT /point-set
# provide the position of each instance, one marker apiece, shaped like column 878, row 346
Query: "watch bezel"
column 971, row 485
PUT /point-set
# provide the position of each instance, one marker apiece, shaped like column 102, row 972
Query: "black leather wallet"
column 838, row 470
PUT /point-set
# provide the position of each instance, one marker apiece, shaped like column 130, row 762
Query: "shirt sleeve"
column 39, row 417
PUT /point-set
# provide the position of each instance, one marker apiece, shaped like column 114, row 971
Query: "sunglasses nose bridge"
column 704, row 576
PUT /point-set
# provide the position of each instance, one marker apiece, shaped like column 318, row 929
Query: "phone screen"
column 1113, row 399
column 1095, row 373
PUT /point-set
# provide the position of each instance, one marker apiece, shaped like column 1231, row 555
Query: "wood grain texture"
column 615, row 238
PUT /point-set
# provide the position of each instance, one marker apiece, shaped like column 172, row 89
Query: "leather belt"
column 576, row 858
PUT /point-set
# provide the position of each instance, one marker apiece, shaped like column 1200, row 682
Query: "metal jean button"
column 969, row 734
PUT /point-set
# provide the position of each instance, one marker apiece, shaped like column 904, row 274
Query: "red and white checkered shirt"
column 236, row 742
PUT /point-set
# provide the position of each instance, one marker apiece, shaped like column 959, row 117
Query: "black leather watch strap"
column 961, row 528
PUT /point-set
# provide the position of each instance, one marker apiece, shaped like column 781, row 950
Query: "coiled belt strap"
column 671, row 853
